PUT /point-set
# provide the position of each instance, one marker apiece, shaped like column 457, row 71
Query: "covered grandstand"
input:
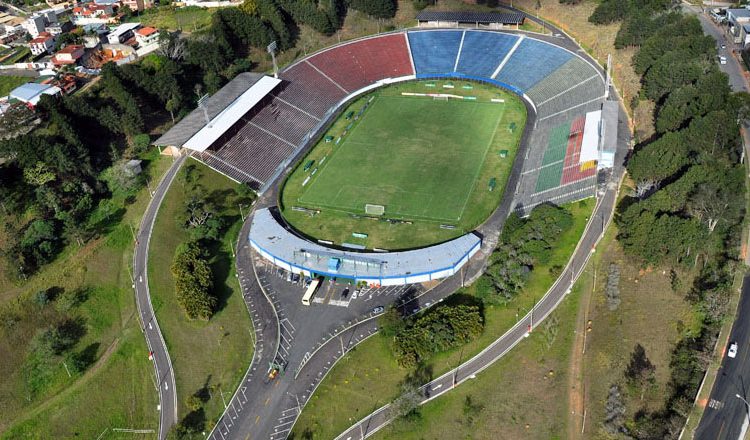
column 492, row 20
column 286, row 250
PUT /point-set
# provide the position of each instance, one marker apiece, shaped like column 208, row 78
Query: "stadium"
column 361, row 185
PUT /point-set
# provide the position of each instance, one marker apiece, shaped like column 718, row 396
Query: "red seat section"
column 573, row 170
column 363, row 62
column 309, row 89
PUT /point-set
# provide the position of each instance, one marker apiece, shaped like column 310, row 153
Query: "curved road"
column 150, row 328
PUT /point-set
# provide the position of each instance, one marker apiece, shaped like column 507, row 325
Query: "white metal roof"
column 590, row 145
column 231, row 114
column 121, row 29
column 273, row 240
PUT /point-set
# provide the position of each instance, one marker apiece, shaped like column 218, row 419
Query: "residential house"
column 123, row 33
column 94, row 35
column 68, row 55
column 59, row 28
column 44, row 43
column 146, row 36
column 736, row 19
column 93, row 13
column 138, row 5
column 10, row 23
column 39, row 22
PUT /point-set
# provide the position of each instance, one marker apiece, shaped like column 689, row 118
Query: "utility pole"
column 132, row 232
column 241, row 214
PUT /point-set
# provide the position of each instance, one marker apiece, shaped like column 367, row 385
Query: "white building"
column 123, row 33
column 44, row 43
column 38, row 22
column 146, row 36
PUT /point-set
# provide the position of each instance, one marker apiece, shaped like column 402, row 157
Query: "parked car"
column 722, row 59
column 732, row 353
column 273, row 373
column 378, row 309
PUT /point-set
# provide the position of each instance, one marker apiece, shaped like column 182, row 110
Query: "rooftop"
column 32, row 92
column 191, row 124
column 472, row 17
column 123, row 28
column 146, row 31
column 71, row 48
column 739, row 13
column 270, row 237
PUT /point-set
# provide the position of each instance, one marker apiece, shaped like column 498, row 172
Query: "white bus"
column 307, row 297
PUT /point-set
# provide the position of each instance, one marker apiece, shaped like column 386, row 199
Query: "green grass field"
column 428, row 162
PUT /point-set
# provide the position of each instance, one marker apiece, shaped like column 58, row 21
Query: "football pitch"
column 426, row 161
column 418, row 157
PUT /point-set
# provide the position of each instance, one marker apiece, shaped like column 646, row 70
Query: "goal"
column 374, row 209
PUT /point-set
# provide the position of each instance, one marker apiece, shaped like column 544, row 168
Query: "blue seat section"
column 482, row 52
column 532, row 62
column 434, row 51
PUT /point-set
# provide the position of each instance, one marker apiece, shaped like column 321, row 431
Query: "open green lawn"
column 117, row 391
column 188, row 19
column 428, row 162
column 368, row 377
column 8, row 83
column 214, row 354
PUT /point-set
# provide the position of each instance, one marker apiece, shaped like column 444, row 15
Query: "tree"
column 614, row 411
column 391, row 322
column 406, row 405
column 375, row 8
column 67, row 38
column 640, row 371
column 39, row 243
column 194, row 282
column 444, row 327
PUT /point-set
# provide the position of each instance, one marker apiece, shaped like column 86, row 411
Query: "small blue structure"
column 334, row 264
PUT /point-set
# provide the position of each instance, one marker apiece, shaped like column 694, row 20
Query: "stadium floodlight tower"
column 202, row 105
column 271, row 48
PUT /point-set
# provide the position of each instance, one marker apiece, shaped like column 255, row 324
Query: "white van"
column 722, row 59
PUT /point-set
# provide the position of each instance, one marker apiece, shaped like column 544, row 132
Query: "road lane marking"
column 267, row 400
column 257, row 419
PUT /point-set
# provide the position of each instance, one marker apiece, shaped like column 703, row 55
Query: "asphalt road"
column 732, row 68
column 248, row 406
column 726, row 415
column 154, row 339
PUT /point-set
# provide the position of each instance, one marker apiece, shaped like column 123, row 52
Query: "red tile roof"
column 70, row 48
column 146, row 31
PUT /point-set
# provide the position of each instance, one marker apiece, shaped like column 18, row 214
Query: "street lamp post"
column 747, row 404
